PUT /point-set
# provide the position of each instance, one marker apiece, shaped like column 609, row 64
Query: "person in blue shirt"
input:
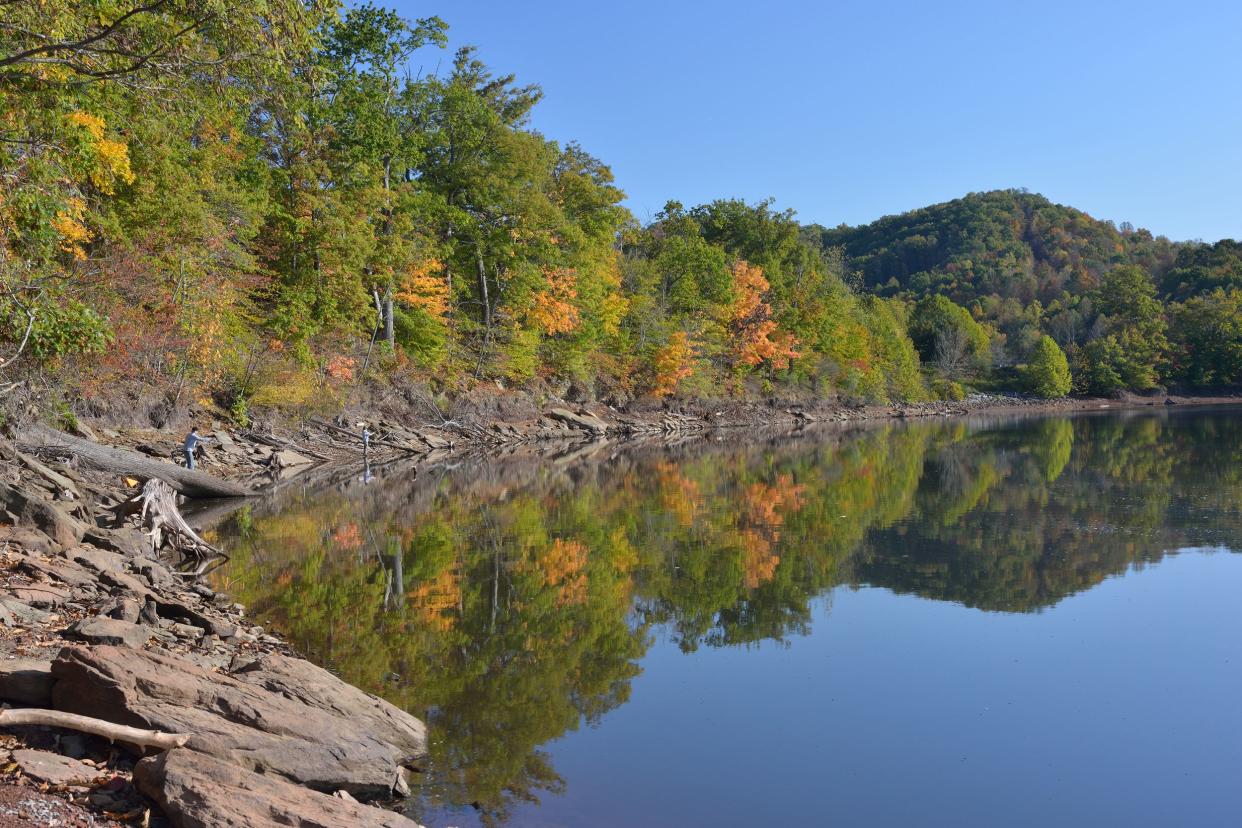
column 191, row 445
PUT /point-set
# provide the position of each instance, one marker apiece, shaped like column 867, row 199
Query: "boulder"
column 277, row 716
column 125, row 542
column 24, row 613
column 55, row 769
column 99, row 560
column 26, row 681
column 99, row 630
column 155, row 572
column 207, row 623
column 199, row 791
column 28, row 539
column 585, row 421
column 123, row 583
column 82, row 430
column 123, row 609
column 27, row 507
column 287, row 458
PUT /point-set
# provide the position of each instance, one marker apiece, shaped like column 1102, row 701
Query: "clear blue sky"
column 849, row 111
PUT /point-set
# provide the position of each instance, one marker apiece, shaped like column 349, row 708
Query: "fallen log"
column 98, row 727
column 129, row 463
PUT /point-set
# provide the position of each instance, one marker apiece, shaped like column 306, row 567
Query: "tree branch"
column 98, row 727
column 73, row 46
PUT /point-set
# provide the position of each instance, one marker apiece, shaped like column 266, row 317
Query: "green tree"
column 947, row 336
column 1206, row 331
column 1048, row 373
column 1132, row 352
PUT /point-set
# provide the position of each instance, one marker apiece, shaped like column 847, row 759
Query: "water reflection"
column 509, row 603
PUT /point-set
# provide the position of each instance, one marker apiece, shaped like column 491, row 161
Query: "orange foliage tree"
column 424, row 286
column 554, row 311
column 766, row 507
column 756, row 337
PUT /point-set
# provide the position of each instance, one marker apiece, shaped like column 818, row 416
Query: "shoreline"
column 95, row 625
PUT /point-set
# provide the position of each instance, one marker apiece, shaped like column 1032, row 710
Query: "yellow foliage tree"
column 673, row 363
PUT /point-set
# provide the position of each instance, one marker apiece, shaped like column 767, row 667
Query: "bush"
column 946, row 389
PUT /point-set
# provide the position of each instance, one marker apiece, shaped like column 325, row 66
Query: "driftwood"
column 157, row 508
column 131, row 463
column 375, row 441
column 98, row 727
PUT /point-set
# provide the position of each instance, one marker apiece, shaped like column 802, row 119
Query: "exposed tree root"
column 157, row 508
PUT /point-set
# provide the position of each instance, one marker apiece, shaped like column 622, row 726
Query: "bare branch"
column 30, row 317
column 98, row 727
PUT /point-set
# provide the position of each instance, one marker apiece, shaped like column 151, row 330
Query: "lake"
column 986, row 621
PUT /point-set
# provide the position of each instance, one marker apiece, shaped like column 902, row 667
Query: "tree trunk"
column 487, row 305
column 389, row 332
column 126, row 462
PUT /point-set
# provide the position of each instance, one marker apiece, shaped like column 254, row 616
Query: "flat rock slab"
column 44, row 594
column 29, row 539
column 100, row 560
column 586, row 422
column 199, row 791
column 277, row 715
column 26, row 681
column 99, row 630
column 63, row 529
column 53, row 768
column 24, row 613
column 286, row 458
column 65, row 571
column 124, row 543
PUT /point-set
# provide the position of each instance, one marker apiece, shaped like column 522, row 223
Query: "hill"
column 1006, row 243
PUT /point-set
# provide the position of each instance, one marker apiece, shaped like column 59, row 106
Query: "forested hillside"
column 260, row 204
column 1131, row 310
column 1006, row 243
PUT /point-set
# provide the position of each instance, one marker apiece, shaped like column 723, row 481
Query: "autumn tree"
column 756, row 338
column 673, row 363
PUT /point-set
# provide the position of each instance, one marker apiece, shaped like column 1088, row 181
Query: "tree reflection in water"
column 509, row 602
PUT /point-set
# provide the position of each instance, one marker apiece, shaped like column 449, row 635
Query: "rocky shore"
column 96, row 623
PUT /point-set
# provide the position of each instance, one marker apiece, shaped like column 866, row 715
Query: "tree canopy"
column 264, row 203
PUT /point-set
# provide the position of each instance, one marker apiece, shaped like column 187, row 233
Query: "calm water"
column 1004, row 622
